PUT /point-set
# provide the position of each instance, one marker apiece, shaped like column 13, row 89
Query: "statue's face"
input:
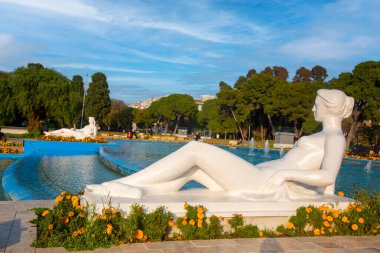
column 319, row 109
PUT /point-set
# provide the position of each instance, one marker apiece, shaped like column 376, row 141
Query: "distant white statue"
column 89, row 130
column 308, row 169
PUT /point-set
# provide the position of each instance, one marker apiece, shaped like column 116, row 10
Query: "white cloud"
column 327, row 48
column 142, row 80
column 68, row 7
column 179, row 60
column 100, row 68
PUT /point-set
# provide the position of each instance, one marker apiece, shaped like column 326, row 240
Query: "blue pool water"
column 45, row 176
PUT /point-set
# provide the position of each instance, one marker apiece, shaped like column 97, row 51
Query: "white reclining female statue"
column 310, row 167
column 89, row 130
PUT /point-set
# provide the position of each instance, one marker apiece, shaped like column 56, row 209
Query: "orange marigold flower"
column 184, row 217
column 50, row 227
column 109, row 229
column 139, row 234
column 46, row 212
column 71, row 214
column 200, row 224
column 361, row 220
column 326, row 224
column 335, row 215
column 261, row 234
column 81, row 215
column 179, row 238
column 68, row 197
column 345, row 219
column 184, row 222
column 58, row 199
column 200, row 210
column 115, row 210
column 192, row 222
column 329, row 218
column 63, row 193
column 317, row 231
column 324, row 216
column 200, row 215
column 75, row 199
column 220, row 218
column 171, row 223
column 308, row 209
column 103, row 217
column 341, row 194
column 330, row 230
column 186, row 205
column 75, row 234
column 81, row 231
column 80, row 207
column 66, row 220
column 289, row 225
column 354, row 227
column 358, row 209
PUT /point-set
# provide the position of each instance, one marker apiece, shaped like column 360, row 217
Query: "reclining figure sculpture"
column 310, row 168
column 89, row 130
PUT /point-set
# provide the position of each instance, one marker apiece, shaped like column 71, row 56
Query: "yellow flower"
column 324, row 216
column 75, row 199
column 186, row 205
column 308, row 209
column 289, row 225
column 354, row 227
column 115, row 210
column 261, row 234
column 199, row 210
column 50, row 227
column 361, row 220
column 335, row 215
column 139, row 234
column 58, row 199
column 71, row 214
column 345, row 219
column 81, row 231
column 192, row 222
column 75, row 234
column 109, row 229
column 341, row 194
column 326, row 224
column 329, row 218
column 330, row 230
column 200, row 215
column 184, row 222
column 80, row 207
column 68, row 197
column 200, row 224
column 63, row 193
column 317, row 231
column 81, row 215
column 185, row 217
column 171, row 223
column 46, row 212
column 359, row 210
column 103, row 217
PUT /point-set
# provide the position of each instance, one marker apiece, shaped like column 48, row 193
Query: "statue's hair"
column 337, row 102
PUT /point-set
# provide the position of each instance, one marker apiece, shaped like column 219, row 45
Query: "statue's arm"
column 333, row 155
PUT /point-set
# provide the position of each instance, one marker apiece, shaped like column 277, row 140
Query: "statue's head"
column 91, row 120
column 333, row 103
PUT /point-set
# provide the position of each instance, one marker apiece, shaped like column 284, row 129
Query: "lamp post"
column 84, row 97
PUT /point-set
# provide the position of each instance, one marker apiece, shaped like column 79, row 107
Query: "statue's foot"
column 115, row 189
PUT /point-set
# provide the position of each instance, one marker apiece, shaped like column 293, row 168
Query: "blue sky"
column 154, row 48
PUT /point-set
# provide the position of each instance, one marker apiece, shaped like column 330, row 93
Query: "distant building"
column 145, row 103
column 201, row 101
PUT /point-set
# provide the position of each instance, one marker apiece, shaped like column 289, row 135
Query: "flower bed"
column 96, row 139
column 76, row 227
column 10, row 147
column 373, row 158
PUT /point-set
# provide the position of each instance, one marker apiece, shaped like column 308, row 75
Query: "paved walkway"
column 16, row 235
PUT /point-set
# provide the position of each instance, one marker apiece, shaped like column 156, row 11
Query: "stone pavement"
column 16, row 235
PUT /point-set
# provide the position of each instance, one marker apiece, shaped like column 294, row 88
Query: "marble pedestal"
column 262, row 212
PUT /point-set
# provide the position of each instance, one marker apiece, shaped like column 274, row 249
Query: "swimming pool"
column 43, row 176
